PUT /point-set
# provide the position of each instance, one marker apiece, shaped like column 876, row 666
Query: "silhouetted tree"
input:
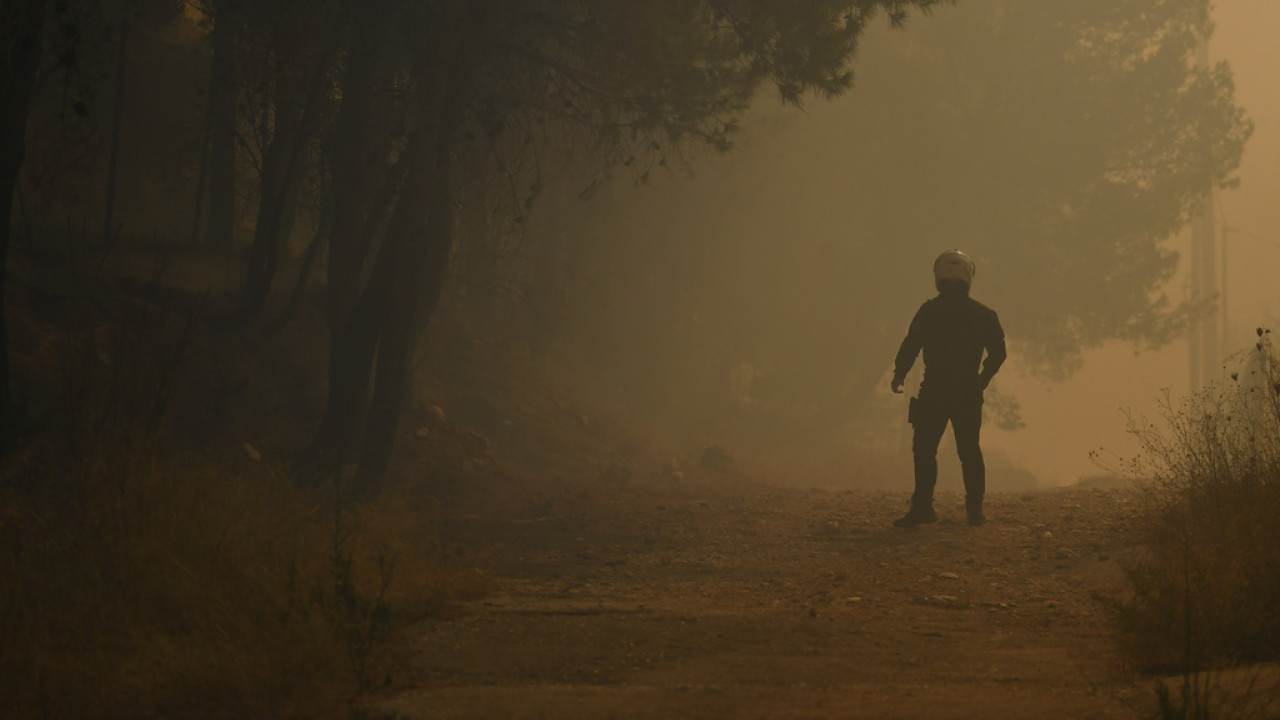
column 622, row 83
column 22, row 42
column 293, row 43
column 222, row 123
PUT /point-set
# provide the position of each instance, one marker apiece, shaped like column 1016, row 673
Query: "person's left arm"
column 993, row 343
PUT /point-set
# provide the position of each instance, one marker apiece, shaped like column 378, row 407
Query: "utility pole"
column 1205, row 340
column 1195, row 331
column 1222, row 305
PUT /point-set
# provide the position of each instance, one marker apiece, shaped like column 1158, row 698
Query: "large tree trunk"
column 405, row 285
column 361, row 338
column 21, row 40
column 264, row 253
column 364, row 186
column 224, row 93
column 420, row 278
column 351, row 361
column 415, row 293
column 354, row 332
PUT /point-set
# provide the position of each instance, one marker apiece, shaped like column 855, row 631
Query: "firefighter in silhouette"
column 954, row 331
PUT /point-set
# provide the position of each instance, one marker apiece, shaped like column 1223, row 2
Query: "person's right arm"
column 908, row 351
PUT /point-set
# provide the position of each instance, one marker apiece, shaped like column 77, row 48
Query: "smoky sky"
column 781, row 205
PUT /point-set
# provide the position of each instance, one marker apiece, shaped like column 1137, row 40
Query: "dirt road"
column 715, row 600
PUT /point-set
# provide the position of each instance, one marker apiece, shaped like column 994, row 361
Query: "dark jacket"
column 953, row 329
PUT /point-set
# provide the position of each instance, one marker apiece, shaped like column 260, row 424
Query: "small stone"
column 252, row 452
column 948, row 576
column 422, row 433
column 436, row 412
column 1047, row 535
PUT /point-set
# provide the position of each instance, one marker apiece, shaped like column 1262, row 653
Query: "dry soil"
column 722, row 598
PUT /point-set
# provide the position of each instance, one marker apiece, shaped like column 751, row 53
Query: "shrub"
column 145, row 580
column 1207, row 593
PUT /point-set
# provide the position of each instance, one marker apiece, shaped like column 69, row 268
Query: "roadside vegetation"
column 175, row 536
column 149, row 573
column 1205, row 595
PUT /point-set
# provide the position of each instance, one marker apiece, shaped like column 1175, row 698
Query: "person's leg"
column 931, row 422
column 966, row 422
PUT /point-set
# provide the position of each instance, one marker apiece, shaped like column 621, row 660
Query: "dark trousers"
column 933, row 412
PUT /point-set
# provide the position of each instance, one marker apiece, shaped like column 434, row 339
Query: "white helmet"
column 954, row 265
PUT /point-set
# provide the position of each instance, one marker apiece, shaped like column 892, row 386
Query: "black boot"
column 917, row 515
column 974, row 510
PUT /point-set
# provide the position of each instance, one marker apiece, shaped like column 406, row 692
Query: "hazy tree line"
column 384, row 121
column 1063, row 143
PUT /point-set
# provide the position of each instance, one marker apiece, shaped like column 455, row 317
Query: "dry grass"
column 180, row 590
column 145, row 579
column 1206, row 594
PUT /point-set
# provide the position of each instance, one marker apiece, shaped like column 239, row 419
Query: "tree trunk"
column 415, row 294
column 352, row 160
column 408, row 274
column 353, row 315
column 419, row 278
column 21, row 39
column 295, row 122
column 351, row 359
column 223, row 96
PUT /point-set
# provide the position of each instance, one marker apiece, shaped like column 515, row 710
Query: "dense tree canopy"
column 1062, row 143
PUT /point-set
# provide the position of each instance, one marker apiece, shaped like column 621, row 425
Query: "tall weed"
column 1207, row 593
column 146, row 581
